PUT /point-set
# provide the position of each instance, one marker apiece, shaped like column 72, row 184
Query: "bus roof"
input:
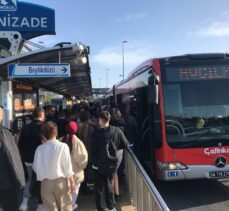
column 139, row 67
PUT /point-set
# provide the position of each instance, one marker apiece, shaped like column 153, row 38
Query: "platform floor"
column 87, row 202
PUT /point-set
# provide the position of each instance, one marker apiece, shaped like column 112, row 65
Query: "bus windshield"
column 197, row 106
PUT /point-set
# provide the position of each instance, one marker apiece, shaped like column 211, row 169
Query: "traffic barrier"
column 144, row 194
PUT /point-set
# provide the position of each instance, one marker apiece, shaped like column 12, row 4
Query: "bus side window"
column 119, row 99
column 133, row 104
column 140, row 110
column 141, row 106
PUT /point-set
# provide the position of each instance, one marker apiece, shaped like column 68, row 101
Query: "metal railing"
column 143, row 192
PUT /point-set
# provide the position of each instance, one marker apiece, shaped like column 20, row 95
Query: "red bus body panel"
column 200, row 161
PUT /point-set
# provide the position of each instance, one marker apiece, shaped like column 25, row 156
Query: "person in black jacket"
column 29, row 140
column 131, row 129
column 61, row 123
column 117, row 120
column 102, row 182
column 12, row 178
column 50, row 114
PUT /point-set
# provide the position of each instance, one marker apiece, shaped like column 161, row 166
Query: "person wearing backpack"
column 104, row 145
column 79, row 157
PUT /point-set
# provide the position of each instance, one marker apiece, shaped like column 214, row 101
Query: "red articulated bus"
column 181, row 105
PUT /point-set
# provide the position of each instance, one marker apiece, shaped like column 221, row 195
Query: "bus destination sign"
column 207, row 72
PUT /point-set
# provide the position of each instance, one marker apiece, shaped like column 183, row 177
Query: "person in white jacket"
column 53, row 167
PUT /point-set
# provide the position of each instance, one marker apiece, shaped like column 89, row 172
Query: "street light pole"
column 123, row 60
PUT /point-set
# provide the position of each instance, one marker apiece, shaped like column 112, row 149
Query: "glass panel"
column 197, row 112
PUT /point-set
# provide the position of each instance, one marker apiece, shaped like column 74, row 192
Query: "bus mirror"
column 153, row 89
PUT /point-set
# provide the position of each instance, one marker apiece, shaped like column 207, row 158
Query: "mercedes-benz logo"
column 220, row 162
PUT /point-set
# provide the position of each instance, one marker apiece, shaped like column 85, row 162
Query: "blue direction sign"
column 38, row 70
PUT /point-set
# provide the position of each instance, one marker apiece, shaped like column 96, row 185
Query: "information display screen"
column 195, row 73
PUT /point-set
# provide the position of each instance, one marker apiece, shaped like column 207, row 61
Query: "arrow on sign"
column 64, row 69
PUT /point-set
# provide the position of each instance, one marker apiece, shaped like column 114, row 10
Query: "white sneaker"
column 75, row 206
column 24, row 204
column 40, row 207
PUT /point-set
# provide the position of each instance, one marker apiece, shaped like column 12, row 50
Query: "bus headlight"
column 171, row 166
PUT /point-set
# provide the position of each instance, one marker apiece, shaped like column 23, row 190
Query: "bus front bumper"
column 194, row 172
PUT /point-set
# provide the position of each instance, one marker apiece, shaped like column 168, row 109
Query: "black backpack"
column 108, row 160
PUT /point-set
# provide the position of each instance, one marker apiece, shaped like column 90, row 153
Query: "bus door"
column 154, row 118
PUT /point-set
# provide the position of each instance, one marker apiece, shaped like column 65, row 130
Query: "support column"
column 64, row 104
column 7, row 102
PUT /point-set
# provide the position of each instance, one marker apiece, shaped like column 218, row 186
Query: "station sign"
column 6, row 5
column 31, row 20
column 38, row 70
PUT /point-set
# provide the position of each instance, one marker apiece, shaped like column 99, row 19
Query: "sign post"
column 38, row 70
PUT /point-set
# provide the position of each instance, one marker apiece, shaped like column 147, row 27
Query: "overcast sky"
column 153, row 28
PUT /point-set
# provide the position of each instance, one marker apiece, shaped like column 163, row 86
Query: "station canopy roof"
column 78, row 85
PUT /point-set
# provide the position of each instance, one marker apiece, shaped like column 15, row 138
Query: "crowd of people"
column 62, row 154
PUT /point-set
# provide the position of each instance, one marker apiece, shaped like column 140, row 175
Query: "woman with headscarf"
column 79, row 156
